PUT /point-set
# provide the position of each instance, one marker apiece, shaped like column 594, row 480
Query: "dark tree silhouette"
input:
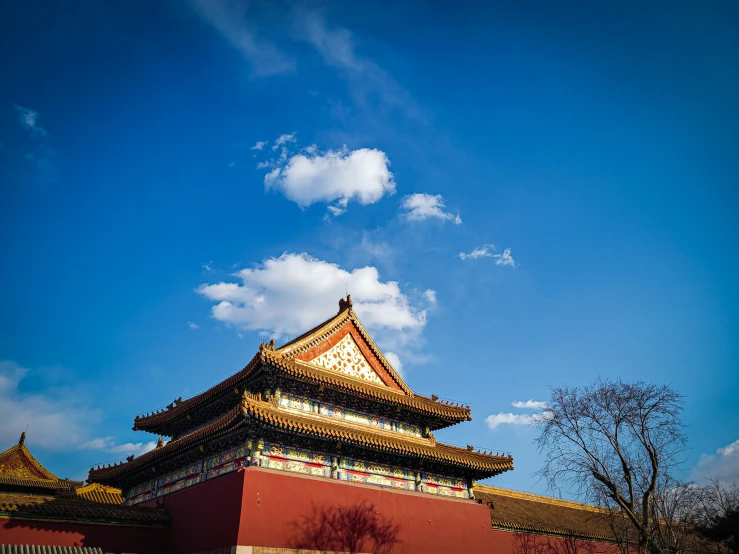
column 355, row 528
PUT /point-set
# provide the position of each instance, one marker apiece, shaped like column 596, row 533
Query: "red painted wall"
column 273, row 500
column 108, row 537
column 206, row 516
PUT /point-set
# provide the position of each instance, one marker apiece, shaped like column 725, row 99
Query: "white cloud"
column 259, row 145
column 529, row 404
column 392, row 357
column 54, row 421
column 427, row 206
column 57, row 419
column 192, row 325
column 724, row 465
column 283, row 139
column 208, row 266
column 430, row 295
column 29, row 119
column 108, row 444
column 505, row 258
column 484, row 251
column 287, row 295
column 229, row 19
column 335, row 176
column 508, row 418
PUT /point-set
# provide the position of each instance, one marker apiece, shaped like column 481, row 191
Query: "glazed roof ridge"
column 332, row 325
column 20, row 468
column 267, row 411
column 285, row 357
column 511, row 493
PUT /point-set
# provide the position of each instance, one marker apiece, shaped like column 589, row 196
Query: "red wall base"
column 110, row 538
column 262, row 507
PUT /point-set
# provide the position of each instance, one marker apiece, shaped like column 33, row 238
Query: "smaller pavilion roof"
column 532, row 513
column 19, row 469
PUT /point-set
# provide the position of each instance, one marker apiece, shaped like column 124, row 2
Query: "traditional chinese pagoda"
column 326, row 404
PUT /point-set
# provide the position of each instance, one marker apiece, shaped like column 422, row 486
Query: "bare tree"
column 613, row 443
column 716, row 516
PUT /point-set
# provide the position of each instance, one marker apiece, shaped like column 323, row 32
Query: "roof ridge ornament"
column 345, row 304
column 22, row 440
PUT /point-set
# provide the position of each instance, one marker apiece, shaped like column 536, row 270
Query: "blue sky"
column 582, row 157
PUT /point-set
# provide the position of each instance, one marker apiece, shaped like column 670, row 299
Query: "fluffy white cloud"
column 724, row 465
column 334, row 176
column 192, row 325
column 505, row 258
column 418, row 207
column 529, row 404
column 430, row 295
column 229, row 19
column 288, row 295
column 392, row 357
column 29, row 120
column 484, row 251
column 259, row 145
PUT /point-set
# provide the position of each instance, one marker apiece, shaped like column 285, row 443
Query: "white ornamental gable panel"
column 346, row 357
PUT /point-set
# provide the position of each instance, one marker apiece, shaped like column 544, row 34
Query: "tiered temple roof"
column 304, row 391
column 305, row 359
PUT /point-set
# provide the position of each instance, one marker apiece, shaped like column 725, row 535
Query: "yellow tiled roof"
column 532, row 513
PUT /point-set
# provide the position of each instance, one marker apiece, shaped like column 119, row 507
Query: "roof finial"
column 345, row 304
column 22, row 441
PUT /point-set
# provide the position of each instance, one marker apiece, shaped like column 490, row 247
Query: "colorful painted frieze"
column 297, row 454
column 292, row 402
column 374, row 479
